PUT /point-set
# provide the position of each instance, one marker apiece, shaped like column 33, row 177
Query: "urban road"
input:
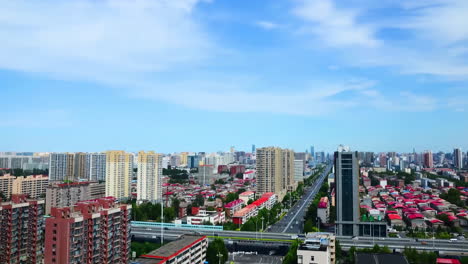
column 459, row 247
column 293, row 221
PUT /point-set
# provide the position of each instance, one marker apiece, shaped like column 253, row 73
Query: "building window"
column 299, row 259
column 312, row 258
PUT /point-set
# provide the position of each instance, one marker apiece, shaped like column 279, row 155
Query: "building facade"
column 275, row 170
column 34, row 186
column 317, row 248
column 347, row 191
column 61, row 167
column 21, row 230
column 149, row 176
column 458, row 158
column 68, row 194
column 119, row 170
column 96, row 231
column 6, row 185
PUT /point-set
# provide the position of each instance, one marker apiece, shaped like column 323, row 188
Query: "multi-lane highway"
column 458, row 247
column 292, row 222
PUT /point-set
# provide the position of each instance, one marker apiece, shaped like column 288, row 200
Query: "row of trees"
column 311, row 214
column 142, row 248
column 268, row 217
column 152, row 212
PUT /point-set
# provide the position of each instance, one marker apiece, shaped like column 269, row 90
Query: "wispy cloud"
column 100, row 39
column 337, row 27
column 436, row 35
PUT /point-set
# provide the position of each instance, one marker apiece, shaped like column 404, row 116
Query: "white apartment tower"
column 149, row 176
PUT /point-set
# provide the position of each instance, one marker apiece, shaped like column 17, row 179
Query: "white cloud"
column 268, row 25
column 337, row 27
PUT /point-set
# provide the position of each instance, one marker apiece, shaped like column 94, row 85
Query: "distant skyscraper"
column 149, row 175
column 253, row 148
column 457, row 158
column 312, row 151
column 275, row 170
column 61, row 166
column 428, row 159
column 119, row 169
column 347, row 191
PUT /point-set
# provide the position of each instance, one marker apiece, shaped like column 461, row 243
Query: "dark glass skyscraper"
column 347, row 191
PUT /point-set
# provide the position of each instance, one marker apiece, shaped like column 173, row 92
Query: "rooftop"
column 173, row 248
column 371, row 258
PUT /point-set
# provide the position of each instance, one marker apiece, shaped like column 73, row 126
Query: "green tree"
column 291, row 256
column 338, row 250
column 142, row 248
column 199, row 200
column 231, row 197
column 308, row 226
column 217, row 252
column 250, row 201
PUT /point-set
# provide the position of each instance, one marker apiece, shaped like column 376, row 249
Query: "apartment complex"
column 187, row 249
column 21, row 230
column 96, row 231
column 119, row 169
column 275, row 170
column 34, row 186
column 149, row 174
column 68, row 194
column 77, row 166
column 317, row 248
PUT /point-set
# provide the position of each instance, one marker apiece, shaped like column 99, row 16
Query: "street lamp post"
column 261, row 235
column 219, row 255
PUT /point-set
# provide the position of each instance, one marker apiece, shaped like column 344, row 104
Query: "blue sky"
column 204, row 75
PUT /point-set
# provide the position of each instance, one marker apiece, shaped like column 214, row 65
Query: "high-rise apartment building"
column 119, row 169
column 95, row 231
column 458, row 158
column 299, row 170
column 183, row 158
column 81, row 166
column 61, row 167
column 347, row 191
column 149, row 176
column 275, row 170
column 428, row 159
column 97, row 166
column 21, row 230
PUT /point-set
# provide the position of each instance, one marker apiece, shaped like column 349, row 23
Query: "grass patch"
column 248, row 238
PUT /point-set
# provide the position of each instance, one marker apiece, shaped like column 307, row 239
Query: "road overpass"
column 448, row 247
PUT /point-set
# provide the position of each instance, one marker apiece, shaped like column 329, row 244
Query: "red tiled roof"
column 447, row 261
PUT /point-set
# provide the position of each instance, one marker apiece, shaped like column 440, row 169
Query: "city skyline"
column 177, row 75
